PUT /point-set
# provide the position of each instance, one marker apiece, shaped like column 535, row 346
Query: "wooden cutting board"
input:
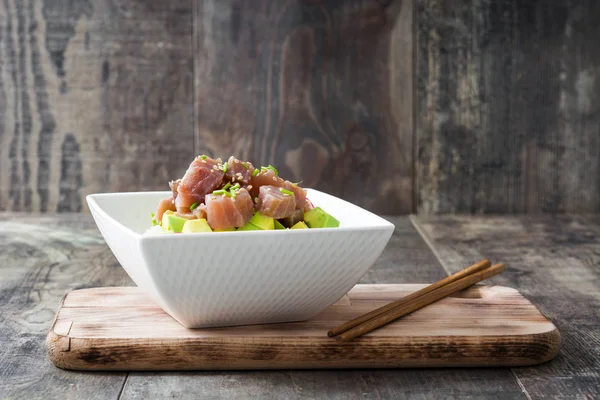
column 121, row 328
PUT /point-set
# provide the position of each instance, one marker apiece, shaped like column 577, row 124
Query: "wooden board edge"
column 116, row 355
column 553, row 338
column 57, row 343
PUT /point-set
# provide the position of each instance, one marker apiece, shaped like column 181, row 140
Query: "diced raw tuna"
column 225, row 212
column 299, row 193
column 272, row 202
column 164, row 205
column 308, row 205
column 294, row 218
column 200, row 211
column 203, row 176
column 265, row 177
column 185, row 215
column 173, row 185
column 239, row 171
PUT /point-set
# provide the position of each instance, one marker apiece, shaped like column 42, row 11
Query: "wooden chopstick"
column 481, row 265
column 420, row 302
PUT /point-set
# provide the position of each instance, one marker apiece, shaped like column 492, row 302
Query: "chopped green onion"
column 193, row 206
column 225, row 167
column 270, row 167
column 245, row 165
column 227, row 186
column 285, row 191
column 223, row 192
column 233, row 189
column 203, row 157
column 154, row 221
column 255, row 172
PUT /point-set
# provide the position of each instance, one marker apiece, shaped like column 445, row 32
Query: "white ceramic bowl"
column 238, row 278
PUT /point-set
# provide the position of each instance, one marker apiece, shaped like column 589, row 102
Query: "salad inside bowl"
column 217, row 196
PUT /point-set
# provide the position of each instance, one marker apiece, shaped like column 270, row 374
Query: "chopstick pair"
column 414, row 301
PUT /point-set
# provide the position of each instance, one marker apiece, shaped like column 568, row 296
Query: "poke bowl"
column 241, row 277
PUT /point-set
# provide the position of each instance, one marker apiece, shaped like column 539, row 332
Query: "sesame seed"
column 275, row 179
column 204, row 161
column 249, row 187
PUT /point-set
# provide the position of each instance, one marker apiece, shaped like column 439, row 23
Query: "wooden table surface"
column 553, row 261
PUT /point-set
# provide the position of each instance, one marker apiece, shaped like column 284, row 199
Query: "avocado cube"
column 249, row 227
column 318, row 218
column 262, row 222
column 196, row 225
column 172, row 222
column 299, row 225
column 278, row 225
column 225, row 230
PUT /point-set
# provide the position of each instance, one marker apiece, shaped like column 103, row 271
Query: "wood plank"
column 41, row 258
column 406, row 259
column 508, row 111
column 554, row 262
column 485, row 326
column 322, row 90
column 95, row 96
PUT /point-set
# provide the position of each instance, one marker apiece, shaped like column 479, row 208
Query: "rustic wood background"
column 434, row 106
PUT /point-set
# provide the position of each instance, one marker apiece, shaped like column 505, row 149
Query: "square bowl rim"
column 381, row 223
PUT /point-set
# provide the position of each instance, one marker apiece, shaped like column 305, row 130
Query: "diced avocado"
column 224, row 230
column 318, row 218
column 278, row 225
column 249, row 227
column 172, row 223
column 299, row 225
column 262, row 222
column 196, row 225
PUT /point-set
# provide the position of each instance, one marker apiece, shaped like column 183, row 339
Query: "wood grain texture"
column 554, row 262
column 95, row 96
column 322, row 90
column 481, row 326
column 508, row 113
column 41, row 256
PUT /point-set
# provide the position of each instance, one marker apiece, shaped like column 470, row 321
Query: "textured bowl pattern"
column 236, row 278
